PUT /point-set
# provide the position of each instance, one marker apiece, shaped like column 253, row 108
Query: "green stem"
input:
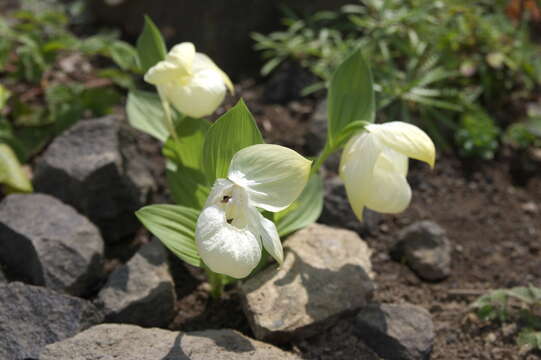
column 216, row 282
column 338, row 142
column 168, row 117
column 327, row 151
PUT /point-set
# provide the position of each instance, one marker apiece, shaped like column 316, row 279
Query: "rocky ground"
column 80, row 279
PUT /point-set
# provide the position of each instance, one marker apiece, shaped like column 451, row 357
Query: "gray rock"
column 396, row 332
column 46, row 242
column 338, row 211
column 425, row 248
column 86, row 167
column 32, row 317
column 130, row 342
column 142, row 291
column 326, row 273
column 317, row 129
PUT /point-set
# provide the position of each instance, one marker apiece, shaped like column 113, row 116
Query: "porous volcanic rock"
column 32, row 317
column 397, row 332
column 129, row 342
column 46, row 242
column 326, row 273
column 425, row 248
column 94, row 168
column 142, row 291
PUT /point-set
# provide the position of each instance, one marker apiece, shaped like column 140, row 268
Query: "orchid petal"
column 268, row 233
column 183, row 56
column 388, row 191
column 163, row 72
column 224, row 248
column 406, row 139
column 203, row 62
column 221, row 188
column 273, row 175
column 200, row 96
column 356, row 169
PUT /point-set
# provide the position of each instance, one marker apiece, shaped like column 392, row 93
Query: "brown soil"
column 493, row 223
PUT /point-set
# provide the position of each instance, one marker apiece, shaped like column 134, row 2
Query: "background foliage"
column 54, row 77
column 460, row 69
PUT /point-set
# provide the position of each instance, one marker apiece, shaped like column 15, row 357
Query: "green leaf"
column 185, row 177
column 123, row 54
column 117, row 76
column 351, row 95
column 11, row 173
column 150, row 46
column 528, row 295
column 66, row 104
column 7, row 135
column 145, row 113
column 304, row 211
column 175, row 226
column 233, row 131
column 4, row 96
column 530, row 337
column 187, row 187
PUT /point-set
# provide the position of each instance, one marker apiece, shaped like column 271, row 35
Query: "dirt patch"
column 495, row 231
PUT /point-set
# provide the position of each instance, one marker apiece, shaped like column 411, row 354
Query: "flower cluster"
column 235, row 223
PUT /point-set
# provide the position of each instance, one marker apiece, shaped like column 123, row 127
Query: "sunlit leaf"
column 351, row 95
column 145, row 113
column 4, row 96
column 184, row 173
column 234, row 130
column 150, row 46
column 11, row 173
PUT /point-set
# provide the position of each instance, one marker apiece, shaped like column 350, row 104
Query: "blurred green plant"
column 55, row 77
column 432, row 61
column 524, row 135
column 477, row 135
column 518, row 304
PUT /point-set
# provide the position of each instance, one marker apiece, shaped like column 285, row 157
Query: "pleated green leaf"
column 304, row 211
column 150, row 46
column 145, row 113
column 234, row 130
column 351, row 95
column 184, row 172
column 174, row 225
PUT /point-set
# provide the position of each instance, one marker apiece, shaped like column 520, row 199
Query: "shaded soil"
column 492, row 214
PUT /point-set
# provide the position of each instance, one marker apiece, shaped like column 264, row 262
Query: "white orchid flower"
column 230, row 231
column 374, row 166
column 190, row 81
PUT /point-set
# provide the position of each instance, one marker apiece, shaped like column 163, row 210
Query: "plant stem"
column 168, row 117
column 327, row 151
column 216, row 282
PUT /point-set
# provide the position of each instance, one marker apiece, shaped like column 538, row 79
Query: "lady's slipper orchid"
column 230, row 231
column 374, row 165
column 190, row 81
